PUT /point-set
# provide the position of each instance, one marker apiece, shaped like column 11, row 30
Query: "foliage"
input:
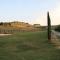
column 49, row 27
column 57, row 28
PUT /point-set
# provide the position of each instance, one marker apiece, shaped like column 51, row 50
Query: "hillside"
column 11, row 27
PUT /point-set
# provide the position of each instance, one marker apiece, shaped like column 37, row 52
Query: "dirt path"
column 55, row 39
column 5, row 34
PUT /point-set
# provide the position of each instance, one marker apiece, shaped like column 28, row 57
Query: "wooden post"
column 49, row 26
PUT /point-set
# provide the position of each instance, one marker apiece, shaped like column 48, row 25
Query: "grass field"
column 27, row 46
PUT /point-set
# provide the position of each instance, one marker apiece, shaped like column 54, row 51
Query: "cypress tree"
column 49, row 26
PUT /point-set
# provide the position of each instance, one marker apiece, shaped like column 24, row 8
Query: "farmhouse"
column 36, row 25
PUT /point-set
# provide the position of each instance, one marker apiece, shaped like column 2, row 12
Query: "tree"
column 57, row 28
column 1, row 23
column 49, row 26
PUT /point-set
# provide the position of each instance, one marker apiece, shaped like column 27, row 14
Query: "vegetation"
column 49, row 27
column 27, row 46
column 57, row 28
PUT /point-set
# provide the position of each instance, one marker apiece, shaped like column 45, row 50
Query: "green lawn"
column 27, row 46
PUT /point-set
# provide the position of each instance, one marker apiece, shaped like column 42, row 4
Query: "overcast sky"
column 31, row 11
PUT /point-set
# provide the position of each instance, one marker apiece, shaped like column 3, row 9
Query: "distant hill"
column 18, row 26
column 11, row 27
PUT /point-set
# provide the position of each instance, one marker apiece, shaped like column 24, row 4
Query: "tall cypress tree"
column 49, row 26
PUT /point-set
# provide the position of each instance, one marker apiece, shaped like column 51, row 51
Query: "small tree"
column 49, row 26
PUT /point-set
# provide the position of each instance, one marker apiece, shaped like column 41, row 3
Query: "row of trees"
column 5, row 24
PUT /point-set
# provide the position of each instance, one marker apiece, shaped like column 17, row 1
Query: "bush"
column 57, row 28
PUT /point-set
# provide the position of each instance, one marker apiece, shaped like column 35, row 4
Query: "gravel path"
column 5, row 34
column 55, row 39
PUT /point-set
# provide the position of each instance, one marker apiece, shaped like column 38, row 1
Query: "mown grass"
column 27, row 46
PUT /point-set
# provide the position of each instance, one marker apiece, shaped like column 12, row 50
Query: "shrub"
column 57, row 28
